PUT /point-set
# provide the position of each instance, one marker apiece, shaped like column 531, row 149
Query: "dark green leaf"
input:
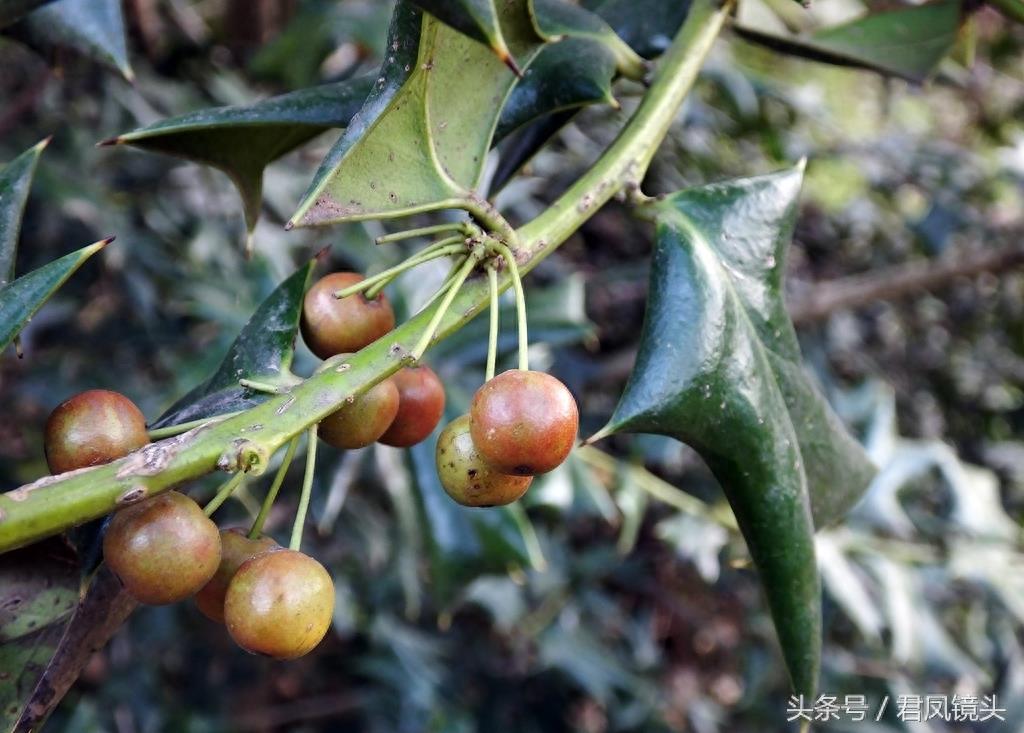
column 12, row 10
column 100, row 613
column 263, row 352
column 243, row 140
column 566, row 75
column 523, row 144
column 908, row 42
column 558, row 19
column 93, row 28
column 15, row 180
column 648, row 26
column 719, row 368
column 1012, row 9
column 39, row 588
column 426, row 148
column 20, row 299
column 477, row 19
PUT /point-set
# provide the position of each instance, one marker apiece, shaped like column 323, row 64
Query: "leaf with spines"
column 21, row 298
column 93, row 28
column 477, row 19
column 426, row 149
column 13, row 10
column 262, row 352
column 557, row 19
column 719, row 368
column 566, row 75
column 15, row 181
column 243, row 140
column 907, row 42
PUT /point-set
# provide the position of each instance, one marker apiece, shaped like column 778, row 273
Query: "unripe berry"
column 94, row 427
column 420, row 406
column 331, row 326
column 362, row 421
column 524, row 422
column 236, row 548
column 466, row 476
column 163, row 549
column 279, row 604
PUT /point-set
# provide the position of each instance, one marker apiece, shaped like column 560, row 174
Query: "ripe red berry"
column 466, row 476
column 163, row 549
column 420, row 406
column 524, row 422
column 279, row 604
column 236, row 548
column 331, row 326
column 94, row 427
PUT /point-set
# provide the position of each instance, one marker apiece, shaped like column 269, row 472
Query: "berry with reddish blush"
column 94, row 427
column 334, row 326
column 236, row 548
column 420, row 406
column 466, row 476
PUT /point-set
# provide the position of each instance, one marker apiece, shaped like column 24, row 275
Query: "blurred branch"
column 825, row 298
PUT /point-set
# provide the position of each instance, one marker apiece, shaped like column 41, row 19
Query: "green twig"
column 275, row 487
column 226, row 490
column 307, row 490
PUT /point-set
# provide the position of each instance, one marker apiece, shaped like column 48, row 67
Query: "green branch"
column 56, row 503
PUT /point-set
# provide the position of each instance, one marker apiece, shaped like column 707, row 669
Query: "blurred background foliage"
column 628, row 603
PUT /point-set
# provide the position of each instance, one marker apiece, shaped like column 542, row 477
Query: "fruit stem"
column 257, row 386
column 492, row 336
column 537, row 560
column 268, row 502
column 453, row 226
column 517, row 283
column 428, row 334
column 223, row 493
column 442, row 248
column 448, row 280
column 170, row 431
column 307, row 490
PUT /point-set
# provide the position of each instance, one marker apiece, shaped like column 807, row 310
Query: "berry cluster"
column 278, row 601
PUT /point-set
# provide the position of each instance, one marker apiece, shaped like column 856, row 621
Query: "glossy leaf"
column 566, row 75
column 263, row 352
column 243, row 140
column 426, row 149
column 93, row 28
column 523, row 144
column 21, row 298
column 39, row 588
column 477, row 19
column 648, row 26
column 558, row 19
column 15, row 180
column 908, row 42
column 719, row 368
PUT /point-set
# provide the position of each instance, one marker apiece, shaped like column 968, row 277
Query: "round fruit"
column 524, row 422
column 466, row 476
column 359, row 423
column 94, row 427
column 236, row 548
column 331, row 326
column 420, row 406
column 163, row 549
column 279, row 604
